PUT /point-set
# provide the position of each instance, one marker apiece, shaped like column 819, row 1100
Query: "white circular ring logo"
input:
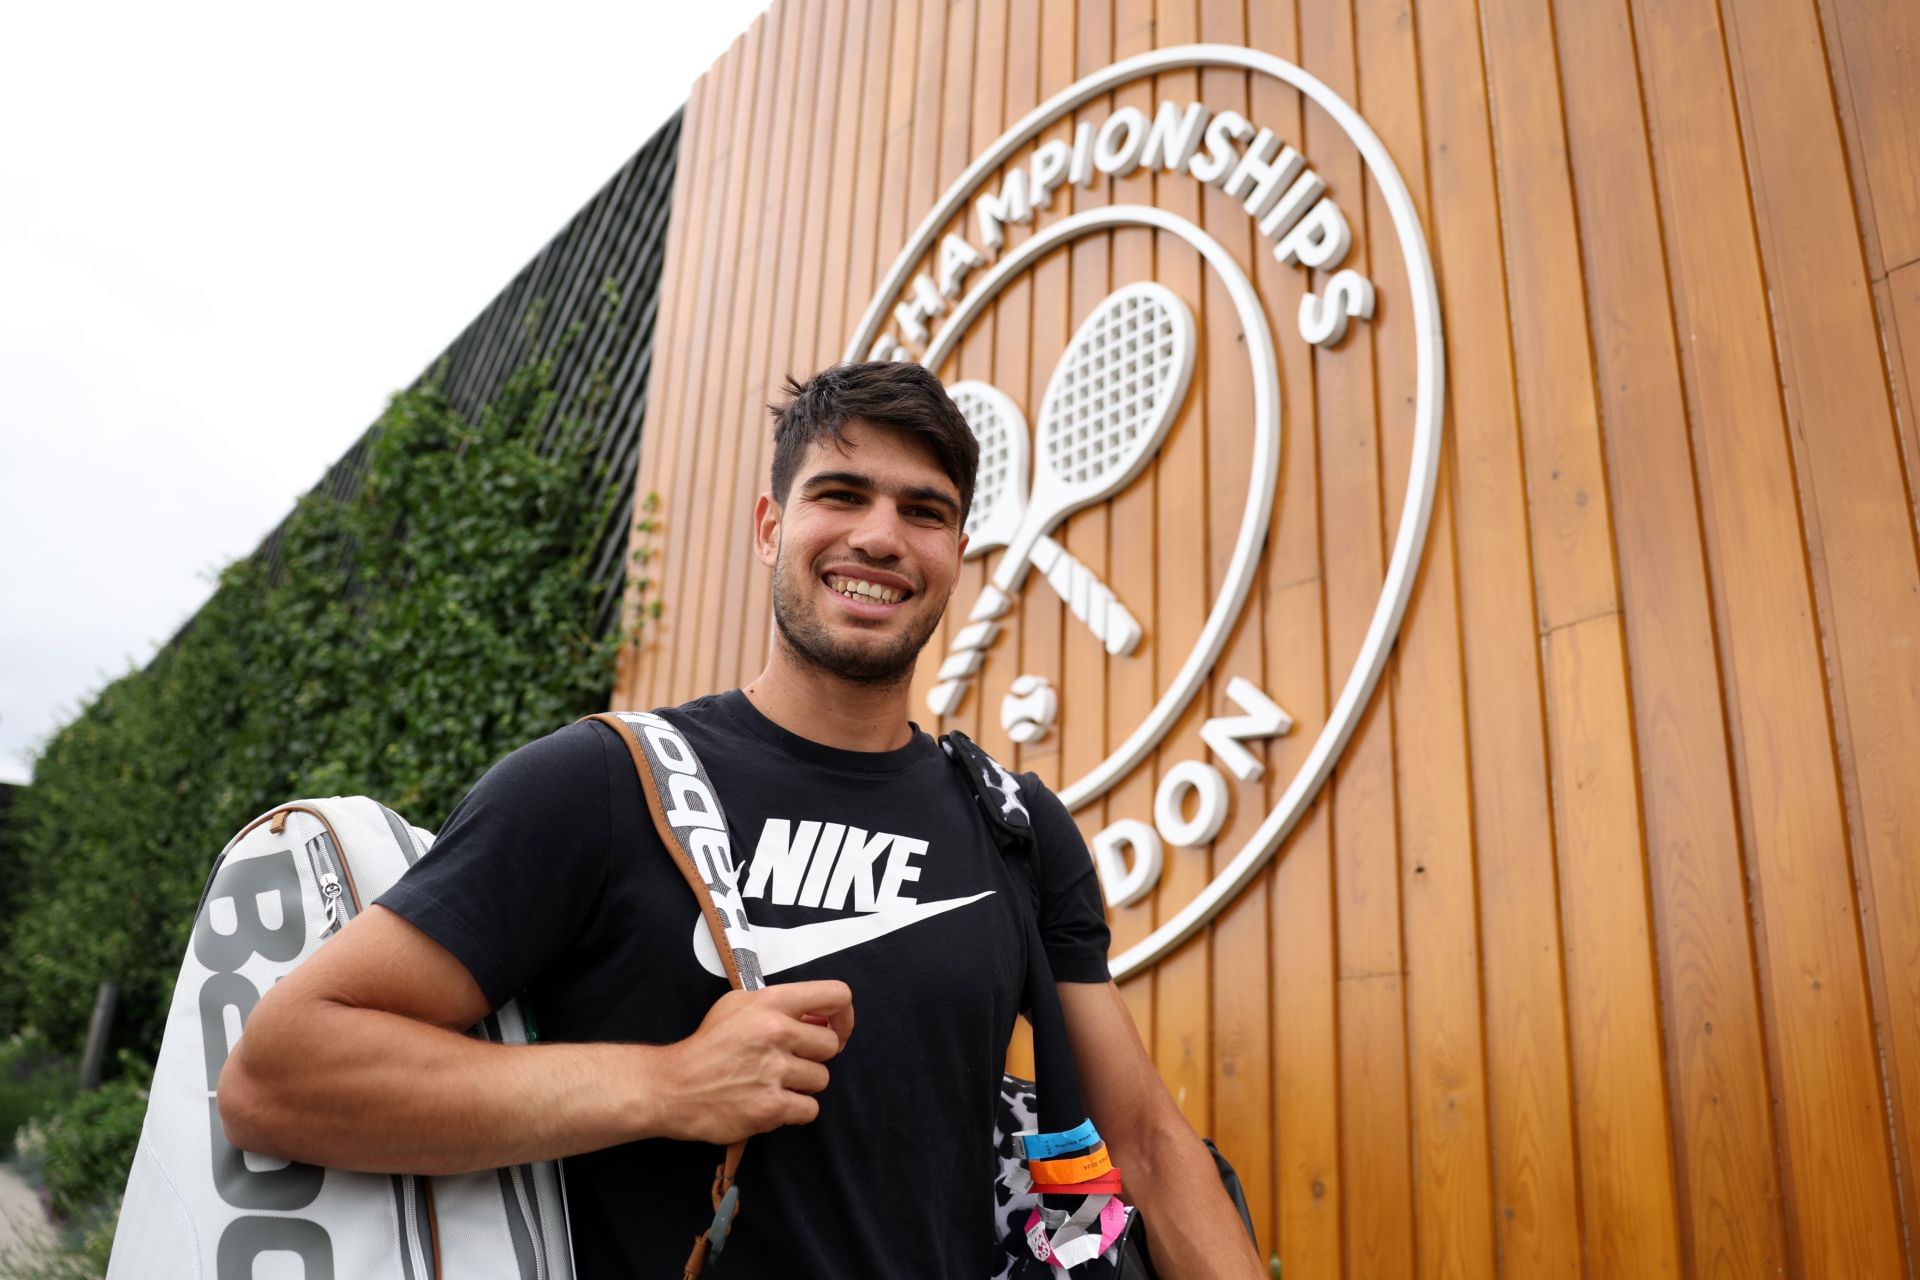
column 1060, row 488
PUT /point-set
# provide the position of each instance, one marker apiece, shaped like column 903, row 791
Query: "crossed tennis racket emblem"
column 1107, row 407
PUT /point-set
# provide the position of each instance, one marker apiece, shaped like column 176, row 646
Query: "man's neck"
column 824, row 708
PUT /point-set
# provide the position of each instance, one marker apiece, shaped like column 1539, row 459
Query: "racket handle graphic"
column 1086, row 597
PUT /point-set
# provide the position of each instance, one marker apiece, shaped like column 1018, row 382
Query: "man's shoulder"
column 565, row 749
column 704, row 712
column 1053, row 827
column 702, row 716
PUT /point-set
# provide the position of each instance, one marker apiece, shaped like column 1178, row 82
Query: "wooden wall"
column 1600, row 952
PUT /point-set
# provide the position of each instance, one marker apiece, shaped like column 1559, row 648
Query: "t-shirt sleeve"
column 1073, row 922
column 520, row 863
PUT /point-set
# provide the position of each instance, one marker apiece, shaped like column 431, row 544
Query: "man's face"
column 865, row 552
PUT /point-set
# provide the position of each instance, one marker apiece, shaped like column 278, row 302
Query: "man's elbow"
column 1152, row 1135
column 247, row 1111
column 256, row 1092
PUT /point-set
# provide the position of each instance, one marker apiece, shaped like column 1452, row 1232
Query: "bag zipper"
column 408, row 1189
column 322, row 855
column 520, row 1191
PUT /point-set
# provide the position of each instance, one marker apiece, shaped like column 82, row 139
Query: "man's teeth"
column 867, row 590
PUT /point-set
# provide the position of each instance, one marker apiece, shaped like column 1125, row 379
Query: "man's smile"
column 869, row 593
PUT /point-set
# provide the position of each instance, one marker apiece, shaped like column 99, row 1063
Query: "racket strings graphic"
column 1108, row 405
column 999, row 501
column 1107, row 394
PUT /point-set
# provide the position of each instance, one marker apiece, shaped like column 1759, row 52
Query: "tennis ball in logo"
column 1028, row 711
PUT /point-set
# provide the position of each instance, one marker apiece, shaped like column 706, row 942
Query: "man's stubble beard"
column 809, row 639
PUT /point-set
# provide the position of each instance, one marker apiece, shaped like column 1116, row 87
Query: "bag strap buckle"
column 723, row 1216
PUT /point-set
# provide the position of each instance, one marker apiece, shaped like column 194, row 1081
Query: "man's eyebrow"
column 820, row 480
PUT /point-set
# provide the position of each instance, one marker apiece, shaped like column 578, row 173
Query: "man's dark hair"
column 899, row 395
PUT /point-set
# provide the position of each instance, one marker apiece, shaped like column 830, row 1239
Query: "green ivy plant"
column 419, row 631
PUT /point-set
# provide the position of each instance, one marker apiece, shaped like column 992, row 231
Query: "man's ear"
column 766, row 529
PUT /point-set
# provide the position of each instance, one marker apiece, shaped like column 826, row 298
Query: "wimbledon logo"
column 1113, row 398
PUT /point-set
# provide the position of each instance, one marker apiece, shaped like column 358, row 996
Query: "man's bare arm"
column 1193, row 1228
column 357, row 1061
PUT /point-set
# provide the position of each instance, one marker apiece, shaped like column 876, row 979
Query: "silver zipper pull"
column 331, row 890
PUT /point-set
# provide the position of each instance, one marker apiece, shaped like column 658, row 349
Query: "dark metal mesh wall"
column 613, row 246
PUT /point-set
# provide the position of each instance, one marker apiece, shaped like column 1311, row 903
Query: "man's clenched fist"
column 754, row 1064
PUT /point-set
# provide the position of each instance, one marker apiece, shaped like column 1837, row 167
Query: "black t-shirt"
column 550, row 884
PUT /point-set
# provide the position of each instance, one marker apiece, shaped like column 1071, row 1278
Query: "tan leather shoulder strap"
column 740, row 962
column 682, row 857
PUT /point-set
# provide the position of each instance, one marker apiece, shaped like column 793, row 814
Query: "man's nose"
column 880, row 532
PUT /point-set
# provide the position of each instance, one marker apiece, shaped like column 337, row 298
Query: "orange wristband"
column 1107, row 1184
column 1072, row 1169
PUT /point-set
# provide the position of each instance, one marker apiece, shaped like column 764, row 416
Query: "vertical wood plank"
column 1035, row 54
column 1867, row 576
column 1084, row 726
column 875, row 147
column 1309, row 1190
column 1242, row 1051
column 857, row 73
column 1900, row 329
column 1125, row 28
column 1878, row 46
column 1528, row 1086
column 968, row 125
column 1182, row 1039
column 1375, row 1137
column 1728, row 1192
column 1629, row 1226
column 790, row 294
column 820, row 261
column 1620, row 1113
column 679, row 506
column 709, row 373
column 768, row 295
column 923, row 173
column 1308, row 1185
column 1018, row 348
column 1453, row 1205
column 897, row 214
column 974, row 359
column 1837, row 1181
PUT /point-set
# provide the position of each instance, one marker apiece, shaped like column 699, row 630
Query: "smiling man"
column 871, row 881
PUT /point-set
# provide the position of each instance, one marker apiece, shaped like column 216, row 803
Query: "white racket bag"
column 198, row 1209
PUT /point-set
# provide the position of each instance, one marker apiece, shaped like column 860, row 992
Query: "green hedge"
column 422, row 629
column 80, row 1151
column 34, row 1080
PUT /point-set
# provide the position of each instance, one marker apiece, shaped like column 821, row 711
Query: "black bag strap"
column 997, row 792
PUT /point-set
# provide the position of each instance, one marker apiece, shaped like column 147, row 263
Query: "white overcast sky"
column 227, row 233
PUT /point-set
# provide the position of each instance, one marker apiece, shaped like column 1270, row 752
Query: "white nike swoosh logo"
column 797, row 944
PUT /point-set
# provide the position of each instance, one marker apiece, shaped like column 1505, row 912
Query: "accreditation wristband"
column 1072, row 1253
column 1079, row 1168
column 1093, row 1244
column 1067, row 1241
column 1107, row 1184
column 1052, row 1146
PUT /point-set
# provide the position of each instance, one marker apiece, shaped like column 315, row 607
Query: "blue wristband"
column 1050, row 1146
